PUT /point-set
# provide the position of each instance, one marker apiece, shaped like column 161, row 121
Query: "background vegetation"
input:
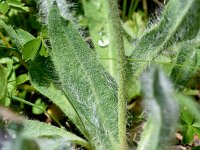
column 101, row 80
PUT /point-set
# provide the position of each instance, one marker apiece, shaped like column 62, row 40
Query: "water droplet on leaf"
column 103, row 42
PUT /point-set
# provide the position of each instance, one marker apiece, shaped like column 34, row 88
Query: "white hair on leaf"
column 64, row 6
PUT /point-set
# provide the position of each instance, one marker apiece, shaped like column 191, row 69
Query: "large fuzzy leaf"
column 90, row 90
column 180, row 22
column 45, row 79
column 35, row 132
column 163, row 117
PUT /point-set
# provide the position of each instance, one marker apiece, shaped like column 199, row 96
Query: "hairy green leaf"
column 188, row 58
column 164, row 112
column 90, row 90
column 38, row 129
column 45, row 79
column 54, row 143
column 180, row 22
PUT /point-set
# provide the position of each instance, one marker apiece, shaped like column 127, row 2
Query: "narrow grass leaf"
column 91, row 91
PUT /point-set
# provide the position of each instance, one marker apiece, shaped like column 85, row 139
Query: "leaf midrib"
column 90, row 83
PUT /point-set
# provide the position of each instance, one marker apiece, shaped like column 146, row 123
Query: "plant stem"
column 121, row 62
column 31, row 104
column 124, row 10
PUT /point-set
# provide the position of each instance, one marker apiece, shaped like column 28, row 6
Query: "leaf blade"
column 173, row 27
column 35, row 129
column 84, row 81
column 164, row 112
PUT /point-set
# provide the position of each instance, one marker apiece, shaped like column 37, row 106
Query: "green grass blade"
column 175, row 26
column 34, row 129
column 163, row 118
column 3, row 84
column 91, row 91
column 44, row 78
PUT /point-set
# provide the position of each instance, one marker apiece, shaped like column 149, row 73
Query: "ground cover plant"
column 92, row 80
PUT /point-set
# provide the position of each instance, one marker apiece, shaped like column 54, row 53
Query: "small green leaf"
column 192, row 107
column 21, row 79
column 196, row 124
column 190, row 116
column 30, row 49
column 188, row 135
column 41, row 105
column 24, row 36
column 4, row 7
column 43, row 51
column 17, row 4
column 186, row 116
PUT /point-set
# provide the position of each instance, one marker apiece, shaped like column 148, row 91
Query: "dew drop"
column 103, row 42
column 98, row 5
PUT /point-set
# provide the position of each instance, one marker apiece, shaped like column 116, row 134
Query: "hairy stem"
column 121, row 62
